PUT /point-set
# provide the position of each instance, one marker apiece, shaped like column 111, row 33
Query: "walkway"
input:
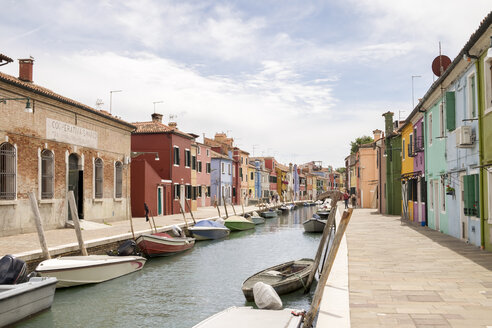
column 402, row 275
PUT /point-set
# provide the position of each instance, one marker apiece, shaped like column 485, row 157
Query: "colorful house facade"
column 221, row 178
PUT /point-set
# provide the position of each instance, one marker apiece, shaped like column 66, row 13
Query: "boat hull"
column 20, row 301
column 283, row 283
column 208, row 233
column 314, row 225
column 92, row 269
column 161, row 244
column 239, row 226
column 257, row 219
column 246, row 317
column 269, row 214
column 323, row 214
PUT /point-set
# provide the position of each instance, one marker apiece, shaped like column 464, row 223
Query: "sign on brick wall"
column 64, row 132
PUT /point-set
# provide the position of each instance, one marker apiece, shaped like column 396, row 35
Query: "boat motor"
column 12, row 270
column 128, row 247
column 177, row 232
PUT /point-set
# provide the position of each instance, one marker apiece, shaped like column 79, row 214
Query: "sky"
column 298, row 80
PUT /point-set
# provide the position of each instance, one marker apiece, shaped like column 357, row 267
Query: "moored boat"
column 323, row 213
column 91, row 269
column 236, row 223
column 19, row 301
column 246, row 317
column 284, row 278
column 314, row 224
column 269, row 214
column 256, row 218
column 163, row 244
column 208, row 229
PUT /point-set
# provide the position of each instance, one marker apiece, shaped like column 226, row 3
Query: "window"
column 118, row 180
column 252, row 176
column 98, row 178
column 187, row 158
column 176, row 191
column 8, row 171
column 208, row 191
column 194, row 193
column 208, row 168
column 430, row 129
column 410, row 145
column 431, row 194
column 208, row 152
column 229, row 168
column 403, row 149
column 199, row 166
column 199, row 191
column 47, row 174
column 441, row 120
column 241, row 173
column 193, row 162
column 199, row 150
column 472, row 100
column 487, row 67
column 176, row 155
column 223, row 167
column 188, row 192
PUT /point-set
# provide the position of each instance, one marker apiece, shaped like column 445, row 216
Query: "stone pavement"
column 401, row 275
column 27, row 247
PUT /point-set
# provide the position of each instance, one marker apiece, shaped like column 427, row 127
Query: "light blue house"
column 435, row 165
column 258, row 193
column 462, row 156
column 220, row 178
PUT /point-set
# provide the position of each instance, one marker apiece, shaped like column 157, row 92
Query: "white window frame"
column 442, row 122
column 443, row 195
column 208, row 152
column 8, row 200
column 174, row 156
column 198, row 150
column 187, row 151
column 178, row 188
column 472, row 95
column 487, row 86
column 223, row 167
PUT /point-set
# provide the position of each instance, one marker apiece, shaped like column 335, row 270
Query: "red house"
column 160, row 168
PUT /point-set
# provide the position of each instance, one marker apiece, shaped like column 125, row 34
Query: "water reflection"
column 181, row 290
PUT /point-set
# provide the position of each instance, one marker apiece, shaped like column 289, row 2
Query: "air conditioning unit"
column 464, row 136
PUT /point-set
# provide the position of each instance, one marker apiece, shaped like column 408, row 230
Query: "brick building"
column 50, row 144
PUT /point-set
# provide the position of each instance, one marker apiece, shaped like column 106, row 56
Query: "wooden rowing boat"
column 284, row 278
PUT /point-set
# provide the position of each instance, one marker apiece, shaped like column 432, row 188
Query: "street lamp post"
column 111, row 100
column 413, row 103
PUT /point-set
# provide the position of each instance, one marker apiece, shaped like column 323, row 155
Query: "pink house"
column 203, row 174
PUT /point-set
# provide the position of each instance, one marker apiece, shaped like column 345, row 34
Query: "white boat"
column 247, row 317
column 19, row 301
column 91, row 269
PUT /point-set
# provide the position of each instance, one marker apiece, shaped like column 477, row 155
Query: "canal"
column 182, row 290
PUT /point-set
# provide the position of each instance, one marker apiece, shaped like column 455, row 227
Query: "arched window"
column 118, row 180
column 98, row 178
column 47, row 174
column 8, row 171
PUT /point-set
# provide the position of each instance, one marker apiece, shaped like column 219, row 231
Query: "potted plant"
column 449, row 190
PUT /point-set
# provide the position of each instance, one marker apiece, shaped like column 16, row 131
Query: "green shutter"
column 450, row 111
column 470, row 195
column 477, row 195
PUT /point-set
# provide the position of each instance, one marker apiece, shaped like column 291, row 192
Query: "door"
column 160, row 200
column 463, row 218
column 436, row 203
column 182, row 196
column 76, row 184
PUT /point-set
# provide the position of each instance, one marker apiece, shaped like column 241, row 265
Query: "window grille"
column 8, row 171
column 118, row 190
column 47, row 174
column 98, row 177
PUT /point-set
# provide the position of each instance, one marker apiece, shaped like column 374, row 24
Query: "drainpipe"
column 480, row 152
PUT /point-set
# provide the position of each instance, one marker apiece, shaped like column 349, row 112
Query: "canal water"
column 182, row 290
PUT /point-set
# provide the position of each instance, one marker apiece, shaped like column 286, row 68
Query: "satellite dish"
column 440, row 64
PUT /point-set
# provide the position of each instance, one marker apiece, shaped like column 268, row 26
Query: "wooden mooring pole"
column 318, row 295
column 39, row 225
column 191, row 212
column 217, row 206
column 76, row 223
column 319, row 253
column 182, row 212
column 225, row 206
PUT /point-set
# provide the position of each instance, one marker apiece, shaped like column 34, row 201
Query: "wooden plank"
column 318, row 295
column 326, row 231
column 39, row 225
column 76, row 223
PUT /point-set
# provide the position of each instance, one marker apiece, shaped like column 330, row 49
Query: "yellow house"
column 408, row 186
column 281, row 180
column 251, row 181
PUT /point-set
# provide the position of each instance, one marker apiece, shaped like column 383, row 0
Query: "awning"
column 411, row 175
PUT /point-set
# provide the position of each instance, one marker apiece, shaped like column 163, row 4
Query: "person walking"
column 354, row 201
column 346, row 198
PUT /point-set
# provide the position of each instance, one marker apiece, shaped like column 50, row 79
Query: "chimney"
column 173, row 125
column 377, row 134
column 388, row 122
column 25, row 69
column 157, row 117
